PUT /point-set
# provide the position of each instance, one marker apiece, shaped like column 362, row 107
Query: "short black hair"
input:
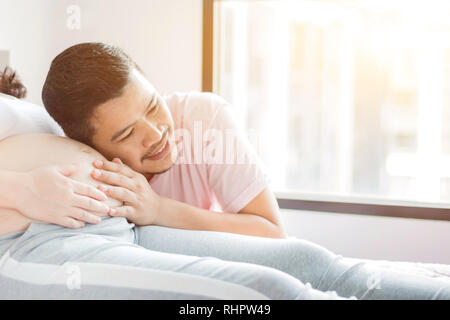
column 81, row 78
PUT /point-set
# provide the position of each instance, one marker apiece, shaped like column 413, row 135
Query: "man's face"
column 136, row 127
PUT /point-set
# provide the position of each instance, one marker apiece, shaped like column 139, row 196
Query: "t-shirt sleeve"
column 236, row 174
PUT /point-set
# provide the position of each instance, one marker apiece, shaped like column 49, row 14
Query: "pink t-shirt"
column 217, row 168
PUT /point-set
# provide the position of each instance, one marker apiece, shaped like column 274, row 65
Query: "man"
column 101, row 97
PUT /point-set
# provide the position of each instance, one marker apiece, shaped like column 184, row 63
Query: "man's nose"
column 153, row 134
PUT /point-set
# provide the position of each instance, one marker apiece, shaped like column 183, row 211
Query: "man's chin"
column 150, row 173
column 166, row 166
column 165, row 170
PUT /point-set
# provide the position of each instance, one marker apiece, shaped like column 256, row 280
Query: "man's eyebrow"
column 119, row 133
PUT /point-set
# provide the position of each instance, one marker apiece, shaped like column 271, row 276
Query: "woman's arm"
column 47, row 194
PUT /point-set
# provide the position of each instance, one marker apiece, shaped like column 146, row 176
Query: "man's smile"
column 156, row 150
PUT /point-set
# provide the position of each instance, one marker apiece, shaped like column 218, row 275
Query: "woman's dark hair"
column 10, row 84
column 81, row 78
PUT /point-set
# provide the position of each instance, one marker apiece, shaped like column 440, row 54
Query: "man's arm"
column 142, row 206
column 259, row 218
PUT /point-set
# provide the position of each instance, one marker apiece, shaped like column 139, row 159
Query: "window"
column 348, row 98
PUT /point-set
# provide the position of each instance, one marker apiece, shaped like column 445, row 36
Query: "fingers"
column 89, row 204
column 119, row 193
column 117, row 160
column 88, row 191
column 114, row 179
column 70, row 223
column 73, row 223
column 115, row 166
column 77, row 218
column 84, row 216
column 123, row 211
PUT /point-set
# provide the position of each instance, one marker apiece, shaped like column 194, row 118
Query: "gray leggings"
column 115, row 260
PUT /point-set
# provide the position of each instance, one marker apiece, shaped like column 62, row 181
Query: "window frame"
column 370, row 206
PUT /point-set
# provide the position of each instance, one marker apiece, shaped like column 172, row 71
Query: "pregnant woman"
column 114, row 258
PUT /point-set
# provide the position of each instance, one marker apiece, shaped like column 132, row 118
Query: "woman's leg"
column 102, row 262
column 304, row 260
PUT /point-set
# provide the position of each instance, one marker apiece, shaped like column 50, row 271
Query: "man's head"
column 100, row 97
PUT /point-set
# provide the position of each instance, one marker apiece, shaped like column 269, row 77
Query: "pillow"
column 19, row 117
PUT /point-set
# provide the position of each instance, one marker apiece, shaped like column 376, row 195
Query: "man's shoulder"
column 194, row 106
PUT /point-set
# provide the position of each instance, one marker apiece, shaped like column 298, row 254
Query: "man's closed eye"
column 128, row 135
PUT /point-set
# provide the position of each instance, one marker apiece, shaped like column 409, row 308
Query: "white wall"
column 163, row 37
column 4, row 59
column 24, row 33
column 373, row 237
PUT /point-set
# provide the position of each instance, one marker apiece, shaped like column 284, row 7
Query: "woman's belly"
column 29, row 151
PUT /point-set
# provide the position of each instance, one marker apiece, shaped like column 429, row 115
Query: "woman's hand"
column 49, row 195
column 141, row 203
